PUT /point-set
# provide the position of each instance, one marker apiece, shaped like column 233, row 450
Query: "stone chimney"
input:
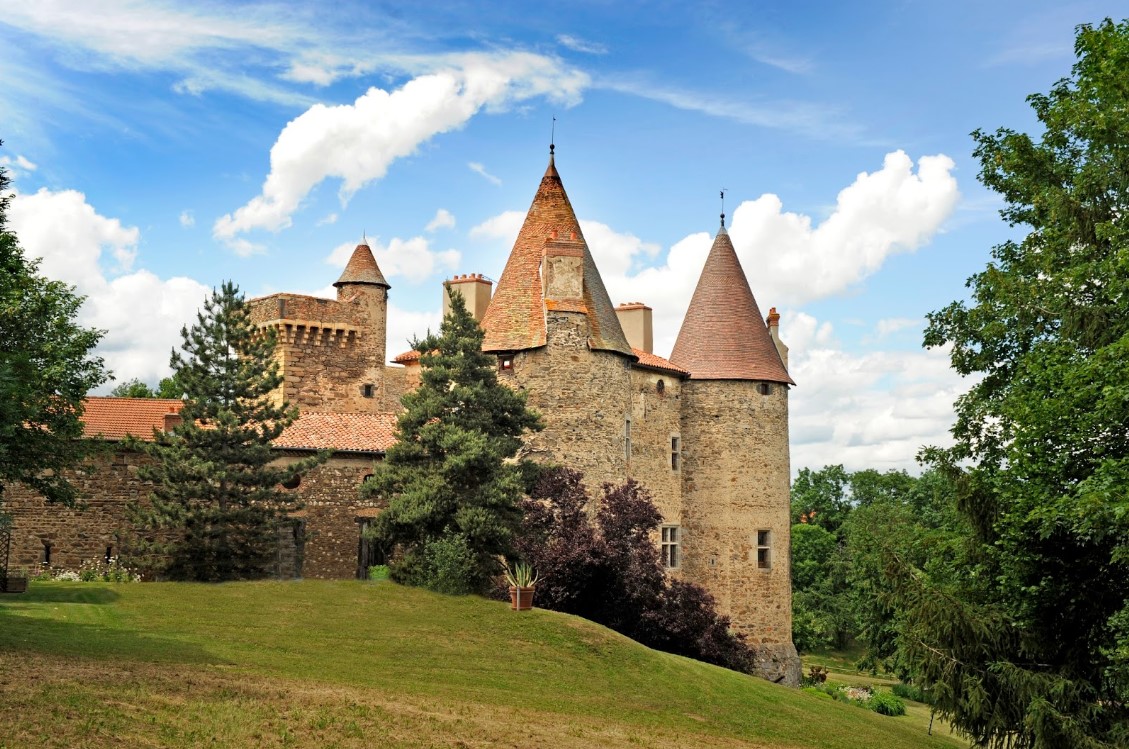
column 475, row 288
column 635, row 319
column 172, row 419
column 773, row 321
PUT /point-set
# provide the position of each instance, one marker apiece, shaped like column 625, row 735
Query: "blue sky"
column 159, row 148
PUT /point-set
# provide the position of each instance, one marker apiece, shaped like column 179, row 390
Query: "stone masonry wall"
column 655, row 420
column 328, row 350
column 107, row 483
column 736, row 483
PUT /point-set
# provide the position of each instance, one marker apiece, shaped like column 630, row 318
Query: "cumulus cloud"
column 874, row 409
column 443, row 220
column 405, row 326
column 412, row 259
column 479, row 169
column 357, row 142
column 187, row 220
column 790, row 259
column 141, row 313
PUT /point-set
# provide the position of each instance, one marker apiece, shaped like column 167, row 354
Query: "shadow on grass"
column 78, row 593
column 93, row 640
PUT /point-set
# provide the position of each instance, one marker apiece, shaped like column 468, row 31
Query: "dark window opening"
column 47, row 552
column 660, row 387
column 369, row 552
column 505, row 362
column 292, row 483
column 764, row 388
column 109, row 554
column 764, row 550
column 367, row 390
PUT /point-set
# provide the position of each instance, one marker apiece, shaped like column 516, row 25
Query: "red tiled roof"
column 724, row 336
column 362, row 268
column 408, row 357
column 314, row 430
column 515, row 319
column 651, row 361
column 115, row 418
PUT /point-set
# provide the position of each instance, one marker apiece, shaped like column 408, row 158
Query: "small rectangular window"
column 367, row 390
column 627, row 438
column 675, row 453
column 505, row 362
column 669, row 546
column 764, row 550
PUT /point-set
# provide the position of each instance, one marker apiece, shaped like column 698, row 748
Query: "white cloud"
column 576, row 44
column 443, row 220
column 477, row 168
column 504, row 226
column 358, row 142
column 141, row 313
column 890, row 325
column 412, row 259
column 330, row 218
column 187, row 220
column 865, row 410
column 17, row 163
column 403, row 326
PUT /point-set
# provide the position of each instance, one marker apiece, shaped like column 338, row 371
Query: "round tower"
column 736, row 472
column 364, row 291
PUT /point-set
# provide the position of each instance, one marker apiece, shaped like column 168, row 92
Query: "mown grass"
column 352, row 664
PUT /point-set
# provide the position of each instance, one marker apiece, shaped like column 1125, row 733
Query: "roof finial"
column 553, row 137
column 364, row 238
column 723, row 208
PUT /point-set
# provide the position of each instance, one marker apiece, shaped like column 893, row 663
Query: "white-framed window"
column 764, row 549
column 627, row 438
column 675, row 452
column 670, row 546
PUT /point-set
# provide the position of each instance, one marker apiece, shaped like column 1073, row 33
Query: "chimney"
column 773, row 321
column 476, row 290
column 562, row 272
column 172, row 419
column 635, row 319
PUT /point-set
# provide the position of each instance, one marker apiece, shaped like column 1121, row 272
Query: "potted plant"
column 522, row 580
column 14, row 582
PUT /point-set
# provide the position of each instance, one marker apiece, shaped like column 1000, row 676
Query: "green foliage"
column 886, row 703
column 168, row 387
column 521, row 575
column 378, row 572
column 46, row 370
column 450, row 480
column 217, row 503
column 1028, row 648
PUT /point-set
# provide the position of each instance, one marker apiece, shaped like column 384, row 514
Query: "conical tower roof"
column 724, row 336
column 362, row 268
column 515, row 319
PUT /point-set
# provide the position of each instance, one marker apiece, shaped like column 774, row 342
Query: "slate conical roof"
column 724, row 336
column 362, row 268
column 515, row 319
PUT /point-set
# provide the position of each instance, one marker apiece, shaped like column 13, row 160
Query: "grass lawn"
column 356, row 664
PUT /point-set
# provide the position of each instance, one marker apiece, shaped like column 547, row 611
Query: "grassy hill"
column 352, row 664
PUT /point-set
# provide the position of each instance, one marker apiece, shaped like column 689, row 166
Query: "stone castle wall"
column 735, row 485
column 655, row 421
column 330, row 350
column 108, row 482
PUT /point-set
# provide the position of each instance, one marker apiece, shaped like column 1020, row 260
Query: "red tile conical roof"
column 362, row 268
column 724, row 336
column 515, row 319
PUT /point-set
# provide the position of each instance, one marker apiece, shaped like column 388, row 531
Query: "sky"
column 160, row 148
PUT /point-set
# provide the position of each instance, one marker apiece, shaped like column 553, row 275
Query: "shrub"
column 445, row 565
column 378, row 572
column 910, row 692
column 886, row 703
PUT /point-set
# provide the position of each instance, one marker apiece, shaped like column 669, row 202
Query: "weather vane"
column 723, row 208
column 553, row 137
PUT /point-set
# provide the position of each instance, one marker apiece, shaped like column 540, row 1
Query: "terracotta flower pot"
column 521, row 599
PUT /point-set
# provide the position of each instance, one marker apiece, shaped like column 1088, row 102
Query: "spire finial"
column 553, row 137
column 364, row 238
column 723, row 208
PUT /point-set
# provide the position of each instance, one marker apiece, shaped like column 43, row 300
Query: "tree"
column 217, row 503
column 168, row 387
column 46, row 370
column 1032, row 650
column 450, row 480
column 610, row 570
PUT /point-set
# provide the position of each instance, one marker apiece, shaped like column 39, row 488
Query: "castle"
column 705, row 431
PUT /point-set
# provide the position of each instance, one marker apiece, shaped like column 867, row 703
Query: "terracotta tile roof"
column 315, row 430
column 651, row 361
column 115, row 418
column 515, row 319
column 408, row 357
column 362, row 268
column 724, row 336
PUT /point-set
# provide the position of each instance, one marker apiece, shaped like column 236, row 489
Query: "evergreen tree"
column 46, row 370
column 450, row 479
column 217, row 504
column 1031, row 649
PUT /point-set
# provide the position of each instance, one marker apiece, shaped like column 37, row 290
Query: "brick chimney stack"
column 172, row 419
column 476, row 290
column 773, row 321
column 635, row 319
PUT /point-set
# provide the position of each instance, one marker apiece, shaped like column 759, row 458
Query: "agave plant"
column 521, row 575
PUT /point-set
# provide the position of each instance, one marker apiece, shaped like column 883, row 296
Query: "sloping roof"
column 515, row 319
column 724, row 336
column 362, row 268
column 652, row 361
column 314, row 430
column 115, row 418
column 408, row 357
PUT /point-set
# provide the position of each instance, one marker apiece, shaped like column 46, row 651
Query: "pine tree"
column 217, row 504
column 451, row 481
